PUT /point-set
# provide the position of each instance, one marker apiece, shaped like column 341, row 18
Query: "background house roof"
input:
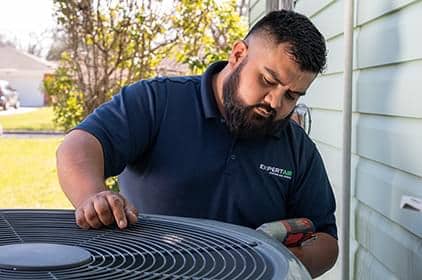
column 11, row 58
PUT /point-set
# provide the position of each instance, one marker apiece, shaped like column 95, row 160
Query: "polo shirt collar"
column 207, row 93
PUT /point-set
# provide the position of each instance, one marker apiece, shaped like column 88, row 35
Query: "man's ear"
column 238, row 53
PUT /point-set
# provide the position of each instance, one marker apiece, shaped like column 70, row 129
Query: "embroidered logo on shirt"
column 280, row 172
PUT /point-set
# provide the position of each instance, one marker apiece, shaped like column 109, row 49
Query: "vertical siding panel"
column 390, row 90
column 369, row 268
column 392, row 38
column 325, row 18
column 393, row 141
column 369, row 10
column 256, row 11
column 326, row 92
column 399, row 251
column 311, row 7
column 335, row 57
column 382, row 187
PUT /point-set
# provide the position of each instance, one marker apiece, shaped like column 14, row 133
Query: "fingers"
column 91, row 216
column 105, row 208
column 80, row 218
column 131, row 213
column 117, row 204
column 103, row 211
column 86, row 217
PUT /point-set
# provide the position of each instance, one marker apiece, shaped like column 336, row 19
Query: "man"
column 218, row 146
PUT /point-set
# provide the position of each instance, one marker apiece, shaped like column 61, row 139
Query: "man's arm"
column 80, row 168
column 317, row 255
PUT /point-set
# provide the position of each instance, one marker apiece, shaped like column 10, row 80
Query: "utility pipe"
column 347, row 139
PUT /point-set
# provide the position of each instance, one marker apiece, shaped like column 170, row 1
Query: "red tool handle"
column 298, row 230
column 290, row 232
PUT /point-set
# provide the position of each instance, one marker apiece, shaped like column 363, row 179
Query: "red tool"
column 291, row 233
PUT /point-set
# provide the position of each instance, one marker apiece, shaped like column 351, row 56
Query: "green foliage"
column 109, row 44
column 65, row 98
column 112, row 184
column 212, row 29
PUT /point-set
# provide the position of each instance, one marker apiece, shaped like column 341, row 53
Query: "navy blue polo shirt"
column 175, row 156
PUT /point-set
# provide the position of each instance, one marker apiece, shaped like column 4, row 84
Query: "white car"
column 9, row 97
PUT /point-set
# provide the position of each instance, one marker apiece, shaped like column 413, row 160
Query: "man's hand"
column 80, row 167
column 105, row 208
column 317, row 255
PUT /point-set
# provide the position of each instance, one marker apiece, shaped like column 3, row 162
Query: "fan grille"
column 156, row 247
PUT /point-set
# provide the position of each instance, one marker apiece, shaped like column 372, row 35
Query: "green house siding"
column 386, row 131
column 258, row 8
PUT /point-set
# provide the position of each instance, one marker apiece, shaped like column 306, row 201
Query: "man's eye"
column 289, row 95
column 268, row 82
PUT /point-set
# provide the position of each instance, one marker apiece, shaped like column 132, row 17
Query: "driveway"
column 31, row 134
column 21, row 110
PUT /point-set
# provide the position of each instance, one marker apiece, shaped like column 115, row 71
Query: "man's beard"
column 242, row 120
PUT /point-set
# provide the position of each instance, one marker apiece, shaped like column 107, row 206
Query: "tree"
column 58, row 46
column 211, row 31
column 108, row 44
column 36, row 45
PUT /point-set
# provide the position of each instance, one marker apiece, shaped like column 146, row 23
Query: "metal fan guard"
column 156, row 247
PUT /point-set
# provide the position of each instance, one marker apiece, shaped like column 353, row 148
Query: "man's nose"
column 275, row 97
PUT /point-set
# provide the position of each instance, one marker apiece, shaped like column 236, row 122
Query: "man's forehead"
column 275, row 56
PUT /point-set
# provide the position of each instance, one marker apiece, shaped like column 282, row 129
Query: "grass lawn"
column 40, row 119
column 28, row 176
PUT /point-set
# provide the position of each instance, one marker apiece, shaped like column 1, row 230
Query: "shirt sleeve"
column 312, row 196
column 125, row 126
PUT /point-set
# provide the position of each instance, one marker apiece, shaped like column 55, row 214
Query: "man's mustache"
column 267, row 107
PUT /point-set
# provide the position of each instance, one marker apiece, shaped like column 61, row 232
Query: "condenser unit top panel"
column 44, row 244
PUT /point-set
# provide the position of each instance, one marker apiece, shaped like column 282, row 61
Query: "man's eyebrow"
column 276, row 77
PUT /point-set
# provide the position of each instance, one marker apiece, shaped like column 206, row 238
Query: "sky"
column 19, row 18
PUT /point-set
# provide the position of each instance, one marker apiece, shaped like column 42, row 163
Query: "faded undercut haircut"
column 306, row 43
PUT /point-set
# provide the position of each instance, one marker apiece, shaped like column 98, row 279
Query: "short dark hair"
column 307, row 45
